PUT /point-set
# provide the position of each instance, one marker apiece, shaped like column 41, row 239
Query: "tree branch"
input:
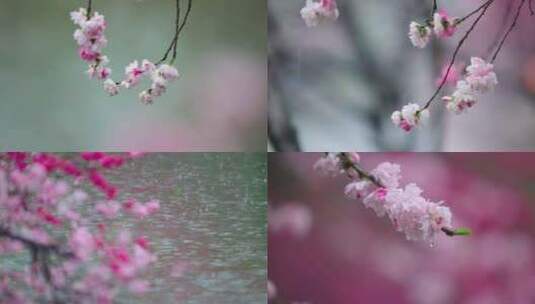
column 457, row 49
column 34, row 246
column 519, row 9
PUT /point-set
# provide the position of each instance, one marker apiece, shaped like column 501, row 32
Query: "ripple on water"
column 212, row 217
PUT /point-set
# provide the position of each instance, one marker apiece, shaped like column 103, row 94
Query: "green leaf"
column 463, row 231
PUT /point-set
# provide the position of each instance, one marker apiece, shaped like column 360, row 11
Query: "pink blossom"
column 481, row 76
column 133, row 73
column 376, row 201
column 315, row 12
column 108, row 209
column 452, row 76
column 328, row 165
column 358, row 189
column 462, row 99
column 388, row 174
column 141, row 210
column 354, row 157
column 82, row 243
column 110, row 162
column 167, row 72
column 410, row 116
column 443, row 25
column 419, row 34
column 91, row 156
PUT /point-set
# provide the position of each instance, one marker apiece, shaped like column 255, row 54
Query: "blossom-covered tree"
column 46, row 201
column 91, row 41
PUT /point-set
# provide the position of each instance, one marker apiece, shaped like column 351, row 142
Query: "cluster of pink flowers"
column 442, row 26
column 418, row 218
column 41, row 206
column 480, row 78
column 91, row 40
column 410, row 117
column 316, row 11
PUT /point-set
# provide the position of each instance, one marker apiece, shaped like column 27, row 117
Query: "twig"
column 89, row 7
column 508, row 31
column 457, row 49
column 503, row 22
column 459, row 21
column 178, row 29
column 362, row 174
column 434, row 9
column 34, row 246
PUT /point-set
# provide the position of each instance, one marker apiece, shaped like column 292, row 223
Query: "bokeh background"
column 334, row 87
column 48, row 104
column 328, row 249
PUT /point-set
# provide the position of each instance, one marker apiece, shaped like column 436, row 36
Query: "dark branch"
column 89, row 7
column 34, row 246
column 482, row 6
column 522, row 2
column 179, row 26
column 456, row 52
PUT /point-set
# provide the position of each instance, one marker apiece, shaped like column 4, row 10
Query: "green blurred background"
column 48, row 103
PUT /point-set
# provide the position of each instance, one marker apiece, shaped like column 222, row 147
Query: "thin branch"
column 508, row 31
column 89, row 7
column 482, row 6
column 530, row 5
column 362, row 174
column 434, row 9
column 34, row 246
column 179, row 26
column 347, row 164
column 501, row 28
column 457, row 49
column 186, row 17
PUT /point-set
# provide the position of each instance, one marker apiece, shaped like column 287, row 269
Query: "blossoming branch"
column 44, row 212
column 91, row 41
column 479, row 77
column 417, row 217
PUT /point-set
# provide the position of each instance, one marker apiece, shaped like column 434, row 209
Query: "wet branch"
column 519, row 9
column 35, row 246
column 456, row 52
column 348, row 165
column 179, row 26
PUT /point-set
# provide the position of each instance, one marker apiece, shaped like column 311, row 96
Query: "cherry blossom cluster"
column 91, row 41
column 317, row 11
column 417, row 217
column 442, row 25
column 410, row 116
column 44, row 211
column 480, row 78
